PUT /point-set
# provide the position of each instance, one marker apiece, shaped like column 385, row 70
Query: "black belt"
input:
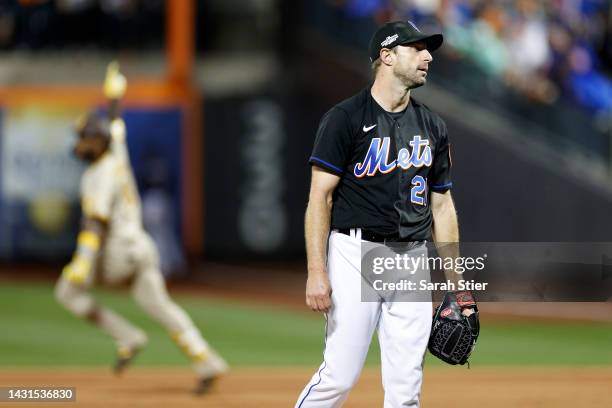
column 372, row 236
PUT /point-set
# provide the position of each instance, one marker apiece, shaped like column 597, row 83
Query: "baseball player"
column 380, row 173
column 113, row 247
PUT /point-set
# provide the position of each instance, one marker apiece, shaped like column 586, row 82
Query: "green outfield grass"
column 35, row 331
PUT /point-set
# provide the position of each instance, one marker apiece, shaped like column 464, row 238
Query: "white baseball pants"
column 403, row 333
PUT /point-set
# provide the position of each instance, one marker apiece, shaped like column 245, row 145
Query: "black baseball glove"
column 453, row 335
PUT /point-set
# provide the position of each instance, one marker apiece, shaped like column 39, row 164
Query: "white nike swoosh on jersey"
column 368, row 128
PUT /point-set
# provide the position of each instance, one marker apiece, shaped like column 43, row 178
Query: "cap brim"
column 433, row 41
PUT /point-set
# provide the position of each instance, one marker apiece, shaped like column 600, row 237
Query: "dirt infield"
column 278, row 387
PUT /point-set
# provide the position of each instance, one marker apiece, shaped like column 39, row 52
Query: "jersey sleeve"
column 118, row 136
column 97, row 191
column 440, row 179
column 332, row 143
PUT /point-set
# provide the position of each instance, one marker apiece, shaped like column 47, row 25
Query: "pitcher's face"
column 412, row 64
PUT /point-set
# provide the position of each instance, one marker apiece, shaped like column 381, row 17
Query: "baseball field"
column 274, row 348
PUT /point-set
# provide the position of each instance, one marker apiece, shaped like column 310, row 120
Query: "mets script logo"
column 377, row 157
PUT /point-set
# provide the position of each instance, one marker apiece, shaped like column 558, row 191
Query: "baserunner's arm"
column 115, row 85
column 89, row 241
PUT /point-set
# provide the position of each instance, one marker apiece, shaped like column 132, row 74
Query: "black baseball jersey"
column 388, row 164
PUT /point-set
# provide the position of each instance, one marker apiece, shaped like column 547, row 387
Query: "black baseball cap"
column 401, row 32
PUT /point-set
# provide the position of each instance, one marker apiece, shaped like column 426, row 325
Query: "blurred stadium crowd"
column 58, row 24
column 543, row 49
